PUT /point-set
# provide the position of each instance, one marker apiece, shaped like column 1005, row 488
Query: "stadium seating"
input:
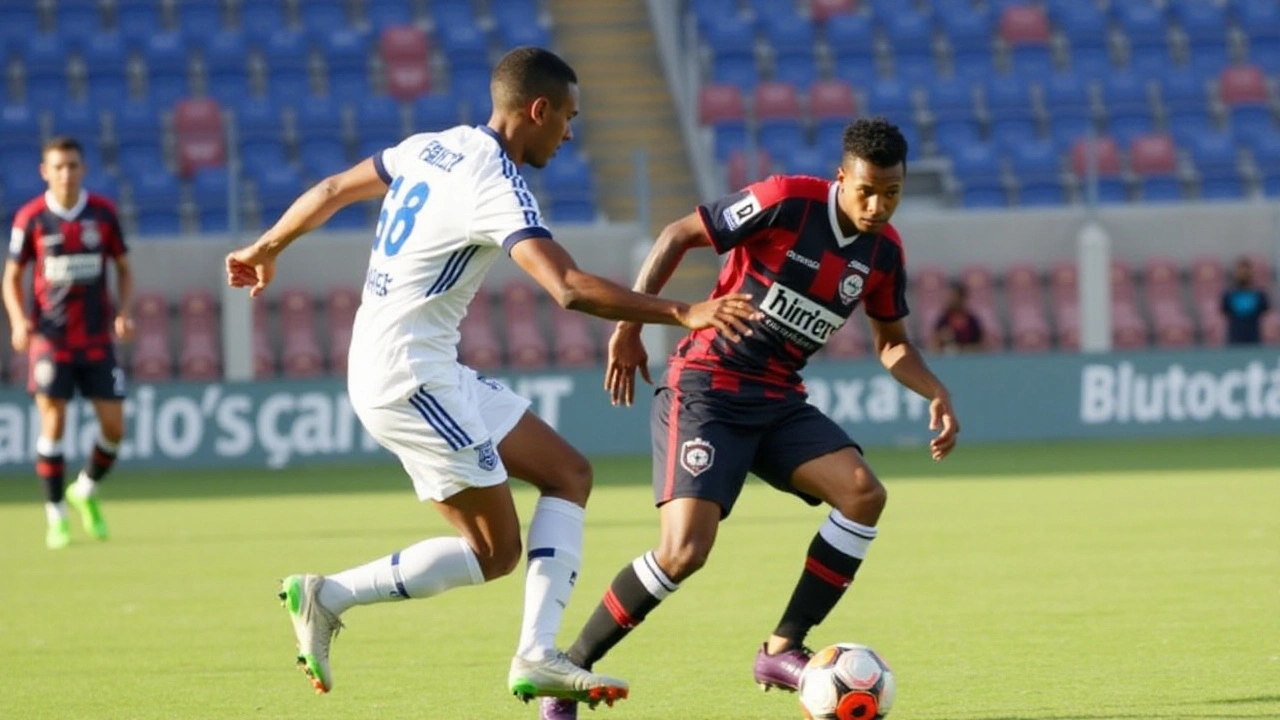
column 200, row 359
column 1016, row 74
column 340, row 312
column 300, row 355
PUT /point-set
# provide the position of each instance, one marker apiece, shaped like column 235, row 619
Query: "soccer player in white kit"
column 454, row 201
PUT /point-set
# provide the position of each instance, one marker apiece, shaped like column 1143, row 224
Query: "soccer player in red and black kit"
column 69, row 235
column 808, row 251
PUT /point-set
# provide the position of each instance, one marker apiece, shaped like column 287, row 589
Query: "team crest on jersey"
column 697, row 455
column 486, row 457
column 494, row 384
column 43, row 372
column 851, row 288
column 90, row 236
column 741, row 211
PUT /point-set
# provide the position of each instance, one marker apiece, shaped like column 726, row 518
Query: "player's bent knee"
column 574, row 479
column 683, row 560
column 499, row 559
column 867, row 495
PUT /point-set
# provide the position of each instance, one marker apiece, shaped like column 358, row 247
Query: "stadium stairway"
column 626, row 105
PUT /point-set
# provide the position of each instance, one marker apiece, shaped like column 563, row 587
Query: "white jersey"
column 455, row 202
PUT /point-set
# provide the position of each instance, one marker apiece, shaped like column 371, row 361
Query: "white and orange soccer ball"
column 846, row 681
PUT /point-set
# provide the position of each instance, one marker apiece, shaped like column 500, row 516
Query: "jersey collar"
column 841, row 239
column 70, row 213
column 494, row 134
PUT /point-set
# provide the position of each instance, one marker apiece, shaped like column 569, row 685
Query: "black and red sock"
column 633, row 594
column 834, row 557
column 101, row 459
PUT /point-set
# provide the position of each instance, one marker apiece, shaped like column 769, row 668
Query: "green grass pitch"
column 1033, row 582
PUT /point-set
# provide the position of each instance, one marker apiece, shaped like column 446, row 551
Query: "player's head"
column 539, row 91
column 871, row 172
column 1244, row 272
column 62, row 165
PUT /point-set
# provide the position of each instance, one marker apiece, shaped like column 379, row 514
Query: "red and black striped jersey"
column 786, row 249
column 69, row 248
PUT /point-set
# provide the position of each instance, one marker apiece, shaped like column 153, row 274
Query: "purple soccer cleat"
column 781, row 671
column 557, row 709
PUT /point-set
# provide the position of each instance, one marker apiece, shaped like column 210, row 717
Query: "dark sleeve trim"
column 705, row 216
column 889, row 318
column 515, row 238
column 381, row 167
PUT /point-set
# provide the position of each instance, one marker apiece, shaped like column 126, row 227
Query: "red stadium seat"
column 980, row 282
column 832, row 99
column 1122, row 285
column 773, row 100
column 1153, row 155
column 738, row 174
column 1242, row 84
column 574, row 344
column 1108, row 157
column 1028, row 324
column 300, row 355
column 406, row 59
column 1024, row 25
column 340, row 313
column 264, row 347
column 526, row 346
column 150, row 356
column 1271, row 328
column 1162, row 288
column 479, row 347
column 824, row 9
column 929, row 291
column 200, row 359
column 717, row 103
column 198, row 133
column 1064, row 303
column 1208, row 281
column 1128, row 328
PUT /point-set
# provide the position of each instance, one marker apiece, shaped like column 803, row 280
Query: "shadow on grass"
column 1242, row 700
column 1007, row 460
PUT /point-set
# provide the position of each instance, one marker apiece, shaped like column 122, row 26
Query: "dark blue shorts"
column 706, row 442
column 100, row 379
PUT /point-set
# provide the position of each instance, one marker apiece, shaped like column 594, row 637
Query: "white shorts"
column 447, row 436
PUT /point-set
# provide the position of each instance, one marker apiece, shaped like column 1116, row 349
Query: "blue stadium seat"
column 517, row 23
column 346, row 58
column 569, row 183
column 435, row 111
column 137, row 20
column 320, row 127
column 134, row 159
column 1214, row 155
column 287, row 53
column 799, row 70
column 706, row 12
column 735, row 70
column 275, row 189
column 226, row 69
column 199, row 19
column 977, row 167
column 1186, row 126
column 136, row 122
column 973, row 67
column 351, row 217
column 1128, row 110
column 1161, row 189
column 387, row 13
column 22, row 184
column 1037, row 167
column 44, row 63
column 1250, row 122
column 19, row 126
column 260, row 18
column 79, row 120
column 907, row 29
column 730, row 136
column 809, row 160
column 378, row 125
column 1266, row 157
column 790, row 34
column 955, row 115
column 1184, row 91
column 1032, row 62
column 892, row 99
column 915, row 70
column 105, row 60
column 209, row 188
column 157, row 198
column 476, row 104
column 460, row 12
column 852, row 42
column 97, row 181
column 259, row 128
column 511, row 36
column 1082, row 23
column 967, row 28
column 729, row 36
column 77, row 20
column 165, row 55
column 321, row 17
column 19, row 21
column 321, row 165
column 1144, row 25
column 1260, row 21
column 1091, row 62
column 1008, row 101
column 780, row 137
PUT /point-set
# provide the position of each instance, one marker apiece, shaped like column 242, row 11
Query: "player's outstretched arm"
column 14, row 305
column 551, row 266
column 908, row 367
column 254, row 266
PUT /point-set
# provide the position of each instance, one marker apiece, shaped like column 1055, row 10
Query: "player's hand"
column 727, row 314
column 20, row 338
column 942, row 418
column 124, row 327
column 251, row 267
column 626, row 355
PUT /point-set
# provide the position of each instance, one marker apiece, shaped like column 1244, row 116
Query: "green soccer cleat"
column 58, row 535
column 314, row 626
column 90, row 512
column 558, row 677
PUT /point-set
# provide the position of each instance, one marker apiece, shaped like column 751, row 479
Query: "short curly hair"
column 877, row 141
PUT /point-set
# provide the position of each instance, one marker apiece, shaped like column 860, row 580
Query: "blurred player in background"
column 453, row 203
column 69, row 235
column 810, row 250
column 1243, row 305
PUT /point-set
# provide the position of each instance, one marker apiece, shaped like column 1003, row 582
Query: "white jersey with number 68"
column 455, row 201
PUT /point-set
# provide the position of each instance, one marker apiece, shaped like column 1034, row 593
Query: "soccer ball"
column 846, row 682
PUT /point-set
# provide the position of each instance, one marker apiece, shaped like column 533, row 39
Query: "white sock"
column 55, row 512
column 84, row 485
column 555, row 555
column 849, row 537
column 419, row 571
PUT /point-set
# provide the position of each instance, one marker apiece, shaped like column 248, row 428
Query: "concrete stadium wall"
column 999, row 398
column 948, row 239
